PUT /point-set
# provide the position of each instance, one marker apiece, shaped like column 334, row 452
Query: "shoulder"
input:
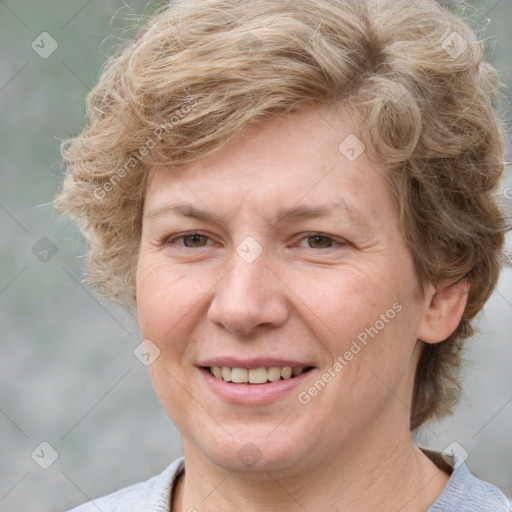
column 152, row 494
column 466, row 492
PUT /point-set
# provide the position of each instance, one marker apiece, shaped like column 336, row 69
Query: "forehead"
column 301, row 161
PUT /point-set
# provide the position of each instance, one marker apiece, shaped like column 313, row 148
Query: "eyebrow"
column 294, row 213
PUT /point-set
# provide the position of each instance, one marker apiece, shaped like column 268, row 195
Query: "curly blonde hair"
column 200, row 71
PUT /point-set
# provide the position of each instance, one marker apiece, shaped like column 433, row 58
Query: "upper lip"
column 256, row 362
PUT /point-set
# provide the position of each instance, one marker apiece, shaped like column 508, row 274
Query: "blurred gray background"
column 68, row 374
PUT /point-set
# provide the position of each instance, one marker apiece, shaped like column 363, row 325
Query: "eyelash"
column 334, row 241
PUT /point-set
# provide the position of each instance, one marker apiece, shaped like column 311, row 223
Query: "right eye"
column 190, row 240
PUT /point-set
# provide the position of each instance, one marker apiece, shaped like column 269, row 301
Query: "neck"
column 365, row 478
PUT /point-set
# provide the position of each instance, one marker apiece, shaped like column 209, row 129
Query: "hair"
column 198, row 72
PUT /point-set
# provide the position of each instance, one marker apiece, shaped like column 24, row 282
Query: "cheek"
column 163, row 296
column 164, row 300
column 342, row 303
column 366, row 316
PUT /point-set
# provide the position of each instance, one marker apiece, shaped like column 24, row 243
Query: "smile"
column 260, row 375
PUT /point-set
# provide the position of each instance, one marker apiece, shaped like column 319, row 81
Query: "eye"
column 321, row 241
column 197, row 240
column 189, row 240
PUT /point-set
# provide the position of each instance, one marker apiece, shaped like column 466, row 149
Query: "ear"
column 443, row 309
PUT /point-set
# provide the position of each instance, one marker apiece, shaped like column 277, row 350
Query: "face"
column 280, row 254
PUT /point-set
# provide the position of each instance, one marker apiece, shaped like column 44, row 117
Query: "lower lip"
column 252, row 394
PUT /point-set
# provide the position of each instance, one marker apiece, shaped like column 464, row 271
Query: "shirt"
column 464, row 492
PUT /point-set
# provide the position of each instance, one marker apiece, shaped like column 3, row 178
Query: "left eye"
column 317, row 241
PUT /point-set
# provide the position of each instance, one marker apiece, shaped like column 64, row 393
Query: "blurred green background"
column 68, row 374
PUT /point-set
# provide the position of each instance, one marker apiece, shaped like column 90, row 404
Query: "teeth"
column 286, row 372
column 239, row 375
column 258, row 375
column 226, row 373
column 255, row 375
column 274, row 374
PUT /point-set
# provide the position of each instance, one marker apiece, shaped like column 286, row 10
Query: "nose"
column 249, row 298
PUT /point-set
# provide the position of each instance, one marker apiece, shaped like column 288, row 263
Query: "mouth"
column 261, row 375
column 256, row 381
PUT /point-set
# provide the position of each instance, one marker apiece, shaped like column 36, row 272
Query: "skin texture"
column 305, row 298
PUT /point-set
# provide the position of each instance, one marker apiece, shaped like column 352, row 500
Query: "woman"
column 296, row 201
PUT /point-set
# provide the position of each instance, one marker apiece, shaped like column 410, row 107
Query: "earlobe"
column 444, row 307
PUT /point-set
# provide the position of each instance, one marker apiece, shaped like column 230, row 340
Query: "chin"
column 255, row 448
